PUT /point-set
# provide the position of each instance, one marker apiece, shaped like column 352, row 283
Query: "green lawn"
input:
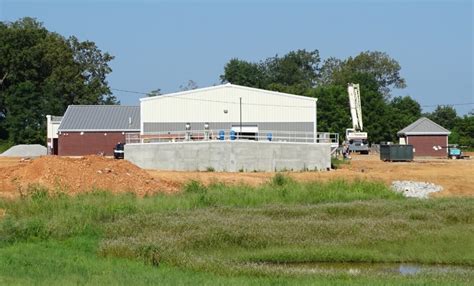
column 233, row 235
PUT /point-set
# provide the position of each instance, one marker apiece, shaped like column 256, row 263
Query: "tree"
column 330, row 68
column 154, row 92
column 42, row 73
column 445, row 116
column 333, row 108
column 94, row 68
column 244, row 73
column 189, row 86
column 296, row 69
column 403, row 111
column 377, row 65
column 22, row 124
column 462, row 128
column 375, row 113
column 299, row 72
column 465, row 128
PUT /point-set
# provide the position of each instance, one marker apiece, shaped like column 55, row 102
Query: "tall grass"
column 280, row 190
column 224, row 229
column 39, row 214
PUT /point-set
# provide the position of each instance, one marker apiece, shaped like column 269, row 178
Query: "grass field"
column 234, row 235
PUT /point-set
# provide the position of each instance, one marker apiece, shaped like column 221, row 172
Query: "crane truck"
column 356, row 139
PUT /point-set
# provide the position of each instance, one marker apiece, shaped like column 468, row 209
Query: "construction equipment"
column 454, row 152
column 356, row 139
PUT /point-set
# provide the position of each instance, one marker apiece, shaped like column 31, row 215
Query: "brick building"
column 96, row 129
column 427, row 137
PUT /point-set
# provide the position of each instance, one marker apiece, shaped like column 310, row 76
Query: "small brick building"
column 96, row 129
column 428, row 138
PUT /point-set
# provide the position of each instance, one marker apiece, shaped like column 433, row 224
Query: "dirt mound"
column 73, row 175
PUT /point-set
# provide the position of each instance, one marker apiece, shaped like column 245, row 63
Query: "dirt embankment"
column 72, row 175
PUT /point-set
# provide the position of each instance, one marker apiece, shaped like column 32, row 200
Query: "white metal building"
column 243, row 110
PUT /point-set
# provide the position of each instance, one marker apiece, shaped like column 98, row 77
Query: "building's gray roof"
column 424, row 126
column 101, row 118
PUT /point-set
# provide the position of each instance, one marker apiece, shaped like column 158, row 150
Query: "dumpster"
column 396, row 152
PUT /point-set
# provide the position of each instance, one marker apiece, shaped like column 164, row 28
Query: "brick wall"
column 423, row 145
column 90, row 143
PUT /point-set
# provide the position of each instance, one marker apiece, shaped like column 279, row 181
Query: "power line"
column 271, row 105
column 432, row 105
column 215, row 101
column 130, row 91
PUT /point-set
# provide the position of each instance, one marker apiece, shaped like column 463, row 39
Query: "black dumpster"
column 396, row 152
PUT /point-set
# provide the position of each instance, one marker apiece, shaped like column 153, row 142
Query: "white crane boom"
column 356, row 109
column 355, row 138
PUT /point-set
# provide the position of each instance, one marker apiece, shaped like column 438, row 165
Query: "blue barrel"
column 232, row 135
column 269, row 136
column 221, row 135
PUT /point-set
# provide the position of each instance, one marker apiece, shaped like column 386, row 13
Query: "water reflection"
column 355, row 268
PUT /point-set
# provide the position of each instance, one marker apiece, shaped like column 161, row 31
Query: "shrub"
column 336, row 163
column 195, row 187
column 280, row 179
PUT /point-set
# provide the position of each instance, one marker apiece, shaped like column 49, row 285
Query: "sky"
column 164, row 44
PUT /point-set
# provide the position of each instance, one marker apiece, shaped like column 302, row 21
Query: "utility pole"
column 240, row 117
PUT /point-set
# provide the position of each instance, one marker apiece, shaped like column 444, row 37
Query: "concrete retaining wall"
column 231, row 156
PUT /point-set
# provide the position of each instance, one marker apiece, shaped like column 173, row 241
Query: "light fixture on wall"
column 188, row 131
column 206, row 131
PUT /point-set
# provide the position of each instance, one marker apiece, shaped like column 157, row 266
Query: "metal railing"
column 213, row 135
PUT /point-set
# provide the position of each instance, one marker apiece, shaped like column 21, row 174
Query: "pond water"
column 355, row 268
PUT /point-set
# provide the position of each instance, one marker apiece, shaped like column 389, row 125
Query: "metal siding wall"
column 209, row 106
column 55, row 127
column 152, row 127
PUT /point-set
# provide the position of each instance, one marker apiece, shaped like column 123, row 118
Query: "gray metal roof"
column 101, row 118
column 424, row 126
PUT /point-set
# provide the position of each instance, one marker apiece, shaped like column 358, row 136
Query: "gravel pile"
column 413, row 189
column 25, row 150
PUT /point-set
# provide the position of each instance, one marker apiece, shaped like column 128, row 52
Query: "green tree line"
column 42, row 72
column 302, row 72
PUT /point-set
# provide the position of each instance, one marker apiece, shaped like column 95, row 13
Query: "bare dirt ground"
column 456, row 176
column 84, row 174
